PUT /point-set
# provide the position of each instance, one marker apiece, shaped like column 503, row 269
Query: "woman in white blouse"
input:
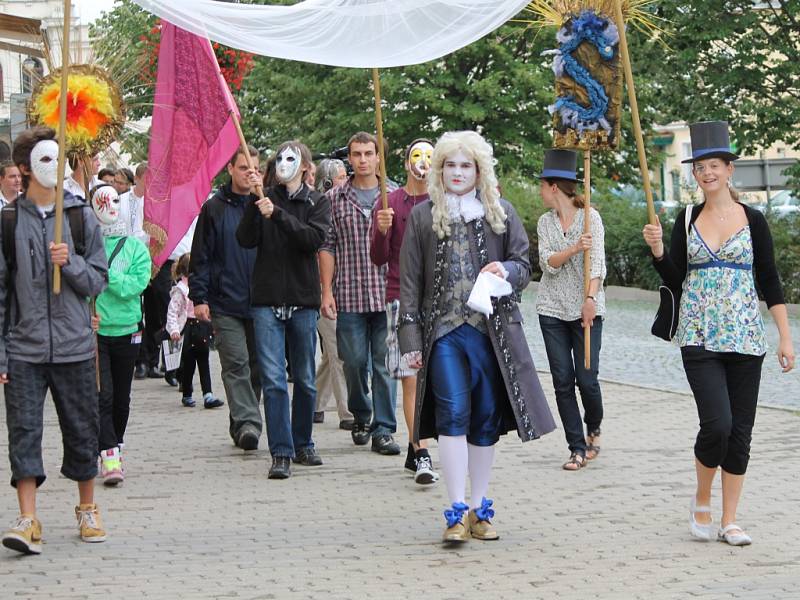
column 563, row 307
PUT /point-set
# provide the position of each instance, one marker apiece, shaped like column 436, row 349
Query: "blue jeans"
column 563, row 341
column 360, row 336
column 288, row 431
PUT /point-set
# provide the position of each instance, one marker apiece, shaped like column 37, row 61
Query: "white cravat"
column 467, row 206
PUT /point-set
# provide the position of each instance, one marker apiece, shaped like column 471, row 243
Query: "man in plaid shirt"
column 354, row 293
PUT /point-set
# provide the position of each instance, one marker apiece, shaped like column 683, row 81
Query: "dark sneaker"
column 319, row 416
column 155, row 373
column 425, row 475
column 209, row 401
column 188, row 401
column 308, row 457
column 411, row 460
column 280, row 468
column 170, row 378
column 385, row 444
column 248, row 438
column 360, row 433
column 140, row 372
column 346, row 424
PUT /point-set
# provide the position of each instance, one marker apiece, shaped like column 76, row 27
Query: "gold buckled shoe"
column 480, row 527
column 457, row 528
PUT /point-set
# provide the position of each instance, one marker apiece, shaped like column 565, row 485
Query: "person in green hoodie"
column 119, row 327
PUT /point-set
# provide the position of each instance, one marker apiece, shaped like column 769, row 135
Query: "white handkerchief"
column 487, row 285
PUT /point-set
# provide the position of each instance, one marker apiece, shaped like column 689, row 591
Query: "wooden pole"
column 376, row 82
column 62, row 140
column 637, row 126
column 243, row 143
column 587, row 254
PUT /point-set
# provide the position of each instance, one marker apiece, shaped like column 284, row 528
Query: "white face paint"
column 44, row 163
column 459, row 173
column 105, row 203
column 419, row 160
column 287, row 164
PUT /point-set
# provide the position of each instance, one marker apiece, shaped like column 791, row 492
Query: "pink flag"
column 192, row 137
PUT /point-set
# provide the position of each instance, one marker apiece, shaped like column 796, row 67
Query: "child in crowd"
column 196, row 336
column 119, row 336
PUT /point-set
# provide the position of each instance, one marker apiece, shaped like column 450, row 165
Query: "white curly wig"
column 474, row 146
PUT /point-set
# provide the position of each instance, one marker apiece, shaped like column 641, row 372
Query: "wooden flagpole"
column 376, row 82
column 243, row 143
column 587, row 254
column 62, row 140
column 637, row 126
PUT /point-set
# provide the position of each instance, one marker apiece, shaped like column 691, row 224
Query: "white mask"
column 287, row 164
column 419, row 160
column 105, row 203
column 459, row 173
column 44, row 163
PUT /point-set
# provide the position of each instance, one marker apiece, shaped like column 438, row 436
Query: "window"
column 32, row 73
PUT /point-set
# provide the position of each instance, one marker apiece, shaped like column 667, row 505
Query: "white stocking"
column 454, row 460
column 481, row 459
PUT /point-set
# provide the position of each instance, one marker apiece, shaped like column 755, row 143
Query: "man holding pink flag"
column 194, row 135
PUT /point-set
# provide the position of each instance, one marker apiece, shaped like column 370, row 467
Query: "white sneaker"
column 425, row 475
column 111, row 466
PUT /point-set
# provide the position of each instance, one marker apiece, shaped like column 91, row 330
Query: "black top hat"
column 710, row 139
column 560, row 164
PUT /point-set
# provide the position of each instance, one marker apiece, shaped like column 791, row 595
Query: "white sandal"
column 734, row 535
column 701, row 531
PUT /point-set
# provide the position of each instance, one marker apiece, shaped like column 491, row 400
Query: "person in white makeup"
column 476, row 378
column 50, row 344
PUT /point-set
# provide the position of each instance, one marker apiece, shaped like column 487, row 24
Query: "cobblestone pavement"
column 197, row 518
column 630, row 354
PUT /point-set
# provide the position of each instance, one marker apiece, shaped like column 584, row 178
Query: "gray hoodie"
column 43, row 327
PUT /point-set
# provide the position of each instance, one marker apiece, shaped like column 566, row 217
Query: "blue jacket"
column 221, row 269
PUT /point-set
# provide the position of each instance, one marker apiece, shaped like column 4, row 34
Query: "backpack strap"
column 9, row 225
column 75, row 217
column 117, row 250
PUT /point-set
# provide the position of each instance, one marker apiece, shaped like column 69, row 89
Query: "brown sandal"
column 592, row 449
column 575, row 463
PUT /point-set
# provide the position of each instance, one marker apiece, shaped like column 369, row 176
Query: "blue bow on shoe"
column 454, row 515
column 485, row 512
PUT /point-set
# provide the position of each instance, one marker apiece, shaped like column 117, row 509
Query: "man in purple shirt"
column 386, row 237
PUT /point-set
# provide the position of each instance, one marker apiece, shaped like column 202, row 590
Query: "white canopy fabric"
column 343, row 33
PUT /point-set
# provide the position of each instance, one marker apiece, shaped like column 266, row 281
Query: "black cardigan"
column 672, row 265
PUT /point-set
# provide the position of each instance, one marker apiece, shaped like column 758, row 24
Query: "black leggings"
column 117, row 356
column 725, row 387
column 189, row 358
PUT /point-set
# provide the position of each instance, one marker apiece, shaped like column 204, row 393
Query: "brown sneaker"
column 480, row 527
column 24, row 535
column 90, row 524
column 457, row 529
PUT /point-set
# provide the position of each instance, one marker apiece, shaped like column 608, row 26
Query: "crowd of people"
column 423, row 288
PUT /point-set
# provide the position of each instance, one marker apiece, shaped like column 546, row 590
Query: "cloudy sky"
column 91, row 9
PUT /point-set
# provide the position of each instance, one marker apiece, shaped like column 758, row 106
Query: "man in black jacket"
column 287, row 226
column 219, row 286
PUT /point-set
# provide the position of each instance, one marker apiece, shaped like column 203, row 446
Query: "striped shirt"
column 358, row 285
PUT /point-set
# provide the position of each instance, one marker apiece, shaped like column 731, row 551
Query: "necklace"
column 723, row 216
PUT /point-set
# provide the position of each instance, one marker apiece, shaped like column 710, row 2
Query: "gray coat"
column 424, row 260
column 43, row 327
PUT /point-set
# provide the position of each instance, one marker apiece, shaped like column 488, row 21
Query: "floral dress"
column 719, row 305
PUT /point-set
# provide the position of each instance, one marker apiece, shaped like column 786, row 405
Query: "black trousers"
column 191, row 356
column 725, row 387
column 117, row 357
column 156, row 302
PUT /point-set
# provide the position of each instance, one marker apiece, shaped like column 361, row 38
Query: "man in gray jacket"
column 48, row 341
